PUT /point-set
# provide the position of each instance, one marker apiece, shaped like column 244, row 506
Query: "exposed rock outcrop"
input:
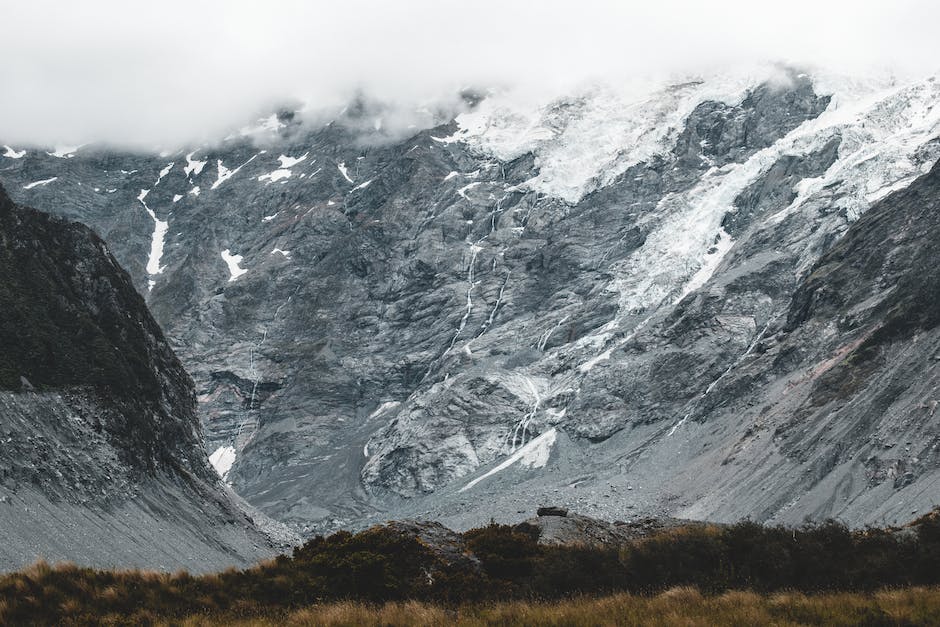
column 101, row 460
column 611, row 304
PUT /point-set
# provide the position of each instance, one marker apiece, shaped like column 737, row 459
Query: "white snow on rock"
column 193, row 166
column 284, row 171
column 156, row 241
column 233, row 262
column 194, row 191
column 285, row 253
column 344, row 171
column 535, row 454
column 585, row 140
column 225, row 174
column 64, row 152
column 445, row 140
column 177, row 197
column 289, row 162
column 275, row 176
column 222, row 460
column 361, row 186
column 9, row 153
column 164, row 172
column 582, row 142
column 40, row 183
column 884, row 130
column 270, row 217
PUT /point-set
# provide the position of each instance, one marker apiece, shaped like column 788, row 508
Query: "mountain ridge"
column 101, row 458
column 372, row 328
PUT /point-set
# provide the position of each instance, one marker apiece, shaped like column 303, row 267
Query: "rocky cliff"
column 685, row 302
column 101, row 460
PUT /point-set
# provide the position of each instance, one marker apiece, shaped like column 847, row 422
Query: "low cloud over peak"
column 180, row 71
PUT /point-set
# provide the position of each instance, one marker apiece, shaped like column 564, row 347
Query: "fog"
column 177, row 71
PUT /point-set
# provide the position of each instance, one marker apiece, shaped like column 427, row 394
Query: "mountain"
column 101, row 460
column 711, row 299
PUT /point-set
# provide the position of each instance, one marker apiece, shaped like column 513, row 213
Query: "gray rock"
column 663, row 344
column 101, row 461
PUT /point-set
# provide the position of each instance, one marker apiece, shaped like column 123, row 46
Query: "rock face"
column 574, row 529
column 689, row 303
column 100, row 454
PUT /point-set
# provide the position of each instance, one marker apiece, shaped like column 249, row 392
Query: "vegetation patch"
column 509, row 578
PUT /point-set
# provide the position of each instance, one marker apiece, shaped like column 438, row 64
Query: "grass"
column 684, row 606
column 743, row 574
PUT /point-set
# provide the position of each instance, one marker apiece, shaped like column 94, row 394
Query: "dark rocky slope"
column 101, row 460
column 604, row 304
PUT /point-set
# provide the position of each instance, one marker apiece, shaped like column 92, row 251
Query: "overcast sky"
column 144, row 73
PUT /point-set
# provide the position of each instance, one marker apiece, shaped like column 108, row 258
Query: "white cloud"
column 149, row 73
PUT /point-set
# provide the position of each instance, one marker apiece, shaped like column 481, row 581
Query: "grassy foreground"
column 678, row 606
column 744, row 574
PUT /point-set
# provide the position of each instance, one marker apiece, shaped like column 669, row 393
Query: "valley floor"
column 678, row 606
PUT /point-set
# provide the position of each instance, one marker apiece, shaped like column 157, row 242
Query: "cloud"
column 145, row 74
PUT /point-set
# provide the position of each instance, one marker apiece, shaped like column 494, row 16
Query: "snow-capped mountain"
column 707, row 298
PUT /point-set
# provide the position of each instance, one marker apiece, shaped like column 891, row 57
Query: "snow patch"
column 164, row 172
column 535, row 454
column 344, row 171
column 225, row 174
column 156, row 241
column 446, row 140
column 284, row 171
column 270, row 217
column 177, row 197
column 233, row 261
column 222, row 460
column 193, row 166
column 12, row 154
column 285, row 253
column 277, row 175
column 289, row 162
column 40, row 183
column 361, row 186
column 64, row 152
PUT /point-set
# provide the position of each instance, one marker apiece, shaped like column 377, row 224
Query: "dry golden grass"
column 685, row 607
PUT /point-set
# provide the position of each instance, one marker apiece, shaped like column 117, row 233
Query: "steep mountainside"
column 100, row 454
column 630, row 304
